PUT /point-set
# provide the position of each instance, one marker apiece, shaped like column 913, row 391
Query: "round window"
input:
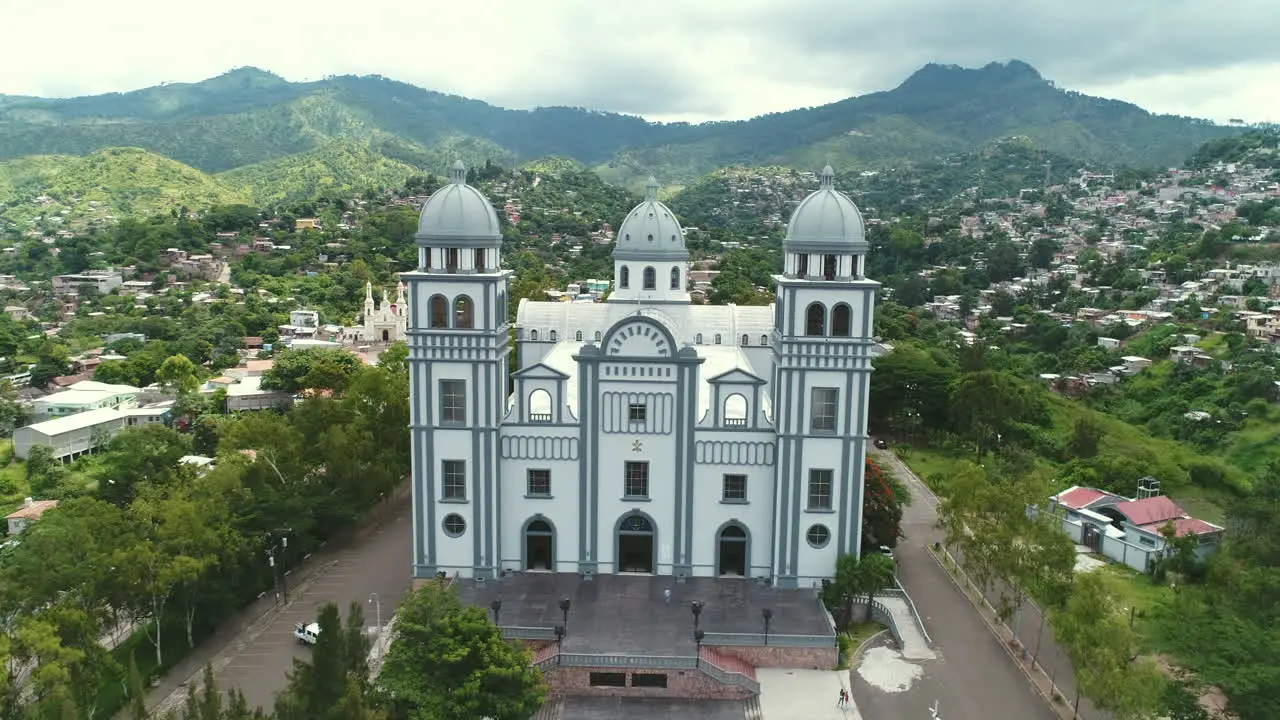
column 454, row 525
column 818, row 536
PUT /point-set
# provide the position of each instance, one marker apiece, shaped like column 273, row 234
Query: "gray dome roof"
column 650, row 231
column 826, row 221
column 460, row 214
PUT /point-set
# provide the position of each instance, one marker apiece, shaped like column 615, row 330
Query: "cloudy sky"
column 663, row 59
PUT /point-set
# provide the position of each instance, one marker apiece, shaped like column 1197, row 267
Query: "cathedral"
column 385, row 323
column 645, row 434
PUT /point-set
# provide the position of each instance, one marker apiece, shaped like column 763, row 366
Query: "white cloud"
column 666, row 59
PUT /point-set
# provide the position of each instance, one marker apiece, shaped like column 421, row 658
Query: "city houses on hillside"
column 83, row 396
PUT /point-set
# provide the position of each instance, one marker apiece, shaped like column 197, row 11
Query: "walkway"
column 804, row 695
column 914, row 646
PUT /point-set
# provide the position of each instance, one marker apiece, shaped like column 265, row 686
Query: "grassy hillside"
column 114, row 181
column 341, row 168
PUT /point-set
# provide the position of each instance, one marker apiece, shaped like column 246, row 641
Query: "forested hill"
column 249, row 116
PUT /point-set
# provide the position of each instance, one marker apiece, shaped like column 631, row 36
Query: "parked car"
column 880, row 443
column 887, row 551
column 307, row 634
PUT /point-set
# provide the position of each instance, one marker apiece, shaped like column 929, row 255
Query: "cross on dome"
column 458, row 173
column 651, row 189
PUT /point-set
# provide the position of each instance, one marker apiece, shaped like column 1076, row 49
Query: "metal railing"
column 649, row 662
column 539, row 417
column 528, row 633
column 759, row 640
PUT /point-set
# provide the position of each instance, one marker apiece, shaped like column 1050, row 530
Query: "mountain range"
column 249, row 116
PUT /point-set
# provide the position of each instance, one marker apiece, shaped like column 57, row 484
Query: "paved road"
column 973, row 677
column 256, row 651
column 376, row 563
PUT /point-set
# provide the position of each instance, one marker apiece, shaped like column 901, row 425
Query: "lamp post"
column 767, row 614
column 275, row 576
column 696, row 607
column 496, row 606
column 377, row 604
column 565, row 604
column 284, row 561
column 697, row 640
column 559, row 641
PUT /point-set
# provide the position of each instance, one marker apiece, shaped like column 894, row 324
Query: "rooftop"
column 627, row 613
column 32, row 509
column 1153, row 510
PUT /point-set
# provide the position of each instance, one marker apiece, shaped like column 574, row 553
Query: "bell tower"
column 458, row 346
column 822, row 367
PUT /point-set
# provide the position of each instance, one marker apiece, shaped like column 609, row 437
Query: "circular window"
column 454, row 525
column 818, row 536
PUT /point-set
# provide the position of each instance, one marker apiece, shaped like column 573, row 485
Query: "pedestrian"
column 666, row 596
column 846, row 696
column 840, row 701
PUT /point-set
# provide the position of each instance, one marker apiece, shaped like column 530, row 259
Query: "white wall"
column 710, row 513
column 526, row 448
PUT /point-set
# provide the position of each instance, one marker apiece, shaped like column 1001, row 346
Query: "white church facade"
column 645, row 434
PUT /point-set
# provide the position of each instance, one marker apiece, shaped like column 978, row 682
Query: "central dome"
column 650, row 231
column 827, row 221
column 458, row 212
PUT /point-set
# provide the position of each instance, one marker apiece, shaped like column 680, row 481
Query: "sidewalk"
column 804, row 694
column 243, row 627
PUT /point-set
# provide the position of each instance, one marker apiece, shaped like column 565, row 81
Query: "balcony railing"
column 540, row 417
column 735, row 422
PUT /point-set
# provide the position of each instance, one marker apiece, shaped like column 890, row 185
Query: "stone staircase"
column 728, row 663
column 751, row 709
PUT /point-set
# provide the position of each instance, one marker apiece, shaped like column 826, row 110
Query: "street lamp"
column 284, row 561
column 565, row 604
column 496, row 606
column 275, row 576
column 697, row 640
column 768, row 615
column 696, row 606
column 559, row 641
column 377, row 603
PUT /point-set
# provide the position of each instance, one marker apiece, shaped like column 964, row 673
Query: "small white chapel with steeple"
column 646, row 434
column 386, row 322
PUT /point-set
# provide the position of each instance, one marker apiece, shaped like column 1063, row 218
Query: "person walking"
column 666, row 596
column 840, row 700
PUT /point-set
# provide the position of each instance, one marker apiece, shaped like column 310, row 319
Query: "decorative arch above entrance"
column 636, row 544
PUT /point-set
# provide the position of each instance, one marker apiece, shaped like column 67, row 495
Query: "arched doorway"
column 539, row 545
column 731, row 551
column 386, row 336
column 636, row 544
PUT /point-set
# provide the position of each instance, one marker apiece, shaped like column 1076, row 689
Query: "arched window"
column 539, row 526
column 733, row 531
column 829, row 265
column 464, row 313
column 675, row 278
column 439, row 311
column 735, row 410
column 650, row 279
column 578, row 336
column 539, row 406
column 841, row 317
column 697, row 339
column 764, row 339
column 717, row 338
column 533, row 335
column 502, row 308
column 815, row 319
column 746, row 339
column 597, row 336
column 553, row 336
column 624, row 278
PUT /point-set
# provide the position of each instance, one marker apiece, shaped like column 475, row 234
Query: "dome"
column 827, row 221
column 650, row 231
column 459, row 213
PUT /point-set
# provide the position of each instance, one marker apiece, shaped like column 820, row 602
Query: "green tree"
column 317, row 687
column 450, row 661
column 178, row 374
column 44, row 472
column 855, row 578
column 312, row 369
column 1097, row 637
